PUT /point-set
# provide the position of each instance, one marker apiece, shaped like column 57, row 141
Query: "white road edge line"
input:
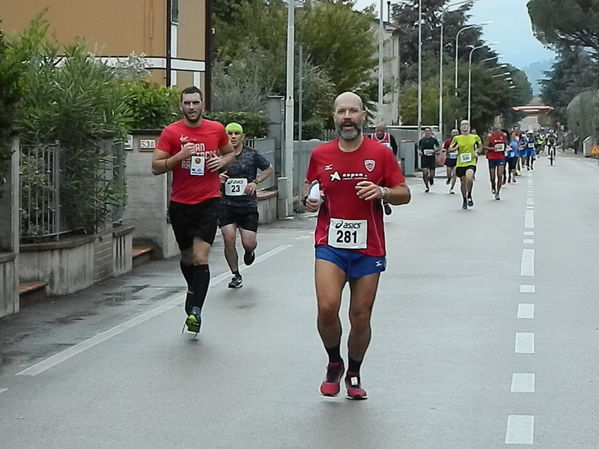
column 523, row 383
column 520, row 429
column 2, row 390
column 527, row 267
column 526, row 311
column 62, row 356
column 528, row 241
column 525, row 343
column 529, row 233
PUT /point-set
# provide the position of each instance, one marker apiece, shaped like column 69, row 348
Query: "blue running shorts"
column 354, row 264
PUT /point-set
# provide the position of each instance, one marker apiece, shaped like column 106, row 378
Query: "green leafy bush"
column 151, row 106
column 71, row 97
column 254, row 124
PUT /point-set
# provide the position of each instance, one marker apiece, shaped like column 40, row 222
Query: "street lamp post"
column 443, row 12
column 288, row 165
column 478, row 47
column 457, row 48
column 419, row 68
column 381, row 50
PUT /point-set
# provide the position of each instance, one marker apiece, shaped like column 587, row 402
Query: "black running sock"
column 201, row 280
column 354, row 366
column 334, row 354
column 187, row 271
column 236, row 272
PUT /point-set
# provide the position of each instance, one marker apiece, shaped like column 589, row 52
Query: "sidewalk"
column 43, row 328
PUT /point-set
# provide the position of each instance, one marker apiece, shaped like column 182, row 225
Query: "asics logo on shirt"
column 335, row 176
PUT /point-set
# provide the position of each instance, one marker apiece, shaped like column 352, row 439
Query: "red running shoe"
column 330, row 384
column 354, row 387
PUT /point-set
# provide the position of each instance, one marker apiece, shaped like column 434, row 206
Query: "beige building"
column 170, row 33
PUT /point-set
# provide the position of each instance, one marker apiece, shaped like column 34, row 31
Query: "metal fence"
column 40, row 176
column 119, row 177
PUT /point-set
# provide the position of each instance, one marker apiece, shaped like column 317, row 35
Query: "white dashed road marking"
column 527, row 289
column 523, row 383
column 525, row 343
column 520, row 429
column 526, row 311
column 529, row 219
column 527, row 267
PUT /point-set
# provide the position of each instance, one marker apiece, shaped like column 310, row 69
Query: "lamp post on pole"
column 381, row 50
column 457, row 48
column 478, row 47
column 443, row 12
column 288, row 165
column 419, row 68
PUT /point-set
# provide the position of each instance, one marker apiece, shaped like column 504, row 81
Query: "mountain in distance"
column 536, row 72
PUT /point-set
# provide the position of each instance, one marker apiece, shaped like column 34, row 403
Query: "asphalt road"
column 486, row 335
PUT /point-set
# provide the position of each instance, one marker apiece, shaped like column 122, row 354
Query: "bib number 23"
column 348, row 234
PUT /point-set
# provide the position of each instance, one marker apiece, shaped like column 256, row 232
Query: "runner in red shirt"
column 354, row 175
column 496, row 147
column 190, row 148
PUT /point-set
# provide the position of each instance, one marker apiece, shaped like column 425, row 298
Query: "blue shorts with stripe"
column 354, row 264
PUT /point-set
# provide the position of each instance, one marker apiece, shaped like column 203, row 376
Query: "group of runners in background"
column 507, row 153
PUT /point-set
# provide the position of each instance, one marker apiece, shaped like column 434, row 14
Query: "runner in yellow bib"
column 468, row 147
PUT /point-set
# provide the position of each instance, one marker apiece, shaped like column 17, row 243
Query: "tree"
column 573, row 72
column 572, row 23
column 348, row 61
column 11, row 72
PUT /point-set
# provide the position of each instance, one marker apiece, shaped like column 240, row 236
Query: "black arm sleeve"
column 393, row 145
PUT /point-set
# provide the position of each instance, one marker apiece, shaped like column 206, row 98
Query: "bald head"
column 349, row 99
column 349, row 116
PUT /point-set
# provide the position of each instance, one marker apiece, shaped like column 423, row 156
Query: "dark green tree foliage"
column 405, row 16
column 339, row 41
column 572, row 23
column 574, row 72
column 78, row 101
column 11, row 71
column 254, row 124
column 252, row 37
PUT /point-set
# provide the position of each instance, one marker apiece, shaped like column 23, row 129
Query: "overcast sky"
column 511, row 27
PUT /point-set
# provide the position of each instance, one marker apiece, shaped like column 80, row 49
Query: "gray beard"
column 349, row 135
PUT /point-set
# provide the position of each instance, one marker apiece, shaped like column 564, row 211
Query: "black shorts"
column 429, row 162
column 450, row 162
column 512, row 162
column 191, row 221
column 461, row 171
column 244, row 218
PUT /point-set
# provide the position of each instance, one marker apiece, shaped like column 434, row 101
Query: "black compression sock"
column 187, row 271
column 201, row 280
column 354, row 366
column 334, row 354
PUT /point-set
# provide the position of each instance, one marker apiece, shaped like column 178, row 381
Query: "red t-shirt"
column 338, row 173
column 193, row 182
column 492, row 141
column 447, row 143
